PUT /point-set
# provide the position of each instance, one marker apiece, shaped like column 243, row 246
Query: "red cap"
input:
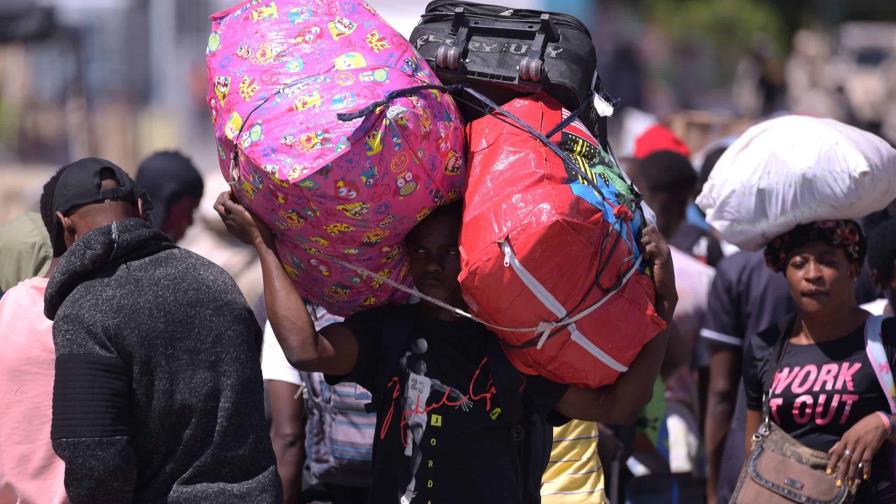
column 659, row 138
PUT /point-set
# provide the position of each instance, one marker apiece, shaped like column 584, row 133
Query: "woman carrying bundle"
column 822, row 387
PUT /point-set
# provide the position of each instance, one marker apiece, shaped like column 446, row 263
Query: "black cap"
column 80, row 185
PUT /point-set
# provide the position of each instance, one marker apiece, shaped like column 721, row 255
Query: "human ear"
column 70, row 234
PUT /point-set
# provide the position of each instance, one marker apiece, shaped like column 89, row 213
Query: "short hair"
column 667, row 171
column 882, row 249
column 454, row 210
column 107, row 173
column 51, row 222
column 163, row 178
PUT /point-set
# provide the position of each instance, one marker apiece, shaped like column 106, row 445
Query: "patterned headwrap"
column 845, row 234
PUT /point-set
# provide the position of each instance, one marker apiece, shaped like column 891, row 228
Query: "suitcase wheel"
column 448, row 57
column 530, row 69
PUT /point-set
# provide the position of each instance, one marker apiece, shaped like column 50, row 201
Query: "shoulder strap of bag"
column 525, row 432
column 877, row 355
column 776, row 355
column 508, row 382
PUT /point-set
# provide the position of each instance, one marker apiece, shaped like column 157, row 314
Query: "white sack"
column 794, row 170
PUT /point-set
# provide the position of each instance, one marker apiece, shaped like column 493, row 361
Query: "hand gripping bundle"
column 795, row 170
column 335, row 191
column 549, row 246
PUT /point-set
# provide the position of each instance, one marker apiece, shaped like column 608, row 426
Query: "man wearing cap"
column 158, row 390
column 175, row 187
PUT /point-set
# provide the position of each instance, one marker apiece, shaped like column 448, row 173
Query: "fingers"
column 860, row 465
column 866, row 466
column 226, row 204
column 654, row 244
column 649, row 241
column 651, row 231
column 849, row 467
column 649, row 235
column 843, row 465
column 836, row 453
column 845, row 460
column 219, row 202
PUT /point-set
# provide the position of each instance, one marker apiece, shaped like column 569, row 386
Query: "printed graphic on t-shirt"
column 822, row 393
column 819, row 392
column 426, row 404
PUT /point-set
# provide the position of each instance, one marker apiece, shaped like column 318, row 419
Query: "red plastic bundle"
column 544, row 243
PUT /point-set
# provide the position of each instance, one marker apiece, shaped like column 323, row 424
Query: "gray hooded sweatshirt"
column 158, row 391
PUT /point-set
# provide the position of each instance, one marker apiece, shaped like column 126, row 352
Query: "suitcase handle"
column 464, row 28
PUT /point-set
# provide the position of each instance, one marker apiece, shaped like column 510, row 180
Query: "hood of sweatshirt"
column 100, row 249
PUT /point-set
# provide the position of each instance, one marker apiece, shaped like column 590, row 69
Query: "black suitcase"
column 504, row 53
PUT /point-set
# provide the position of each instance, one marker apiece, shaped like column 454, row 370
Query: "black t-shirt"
column 442, row 435
column 745, row 298
column 820, row 391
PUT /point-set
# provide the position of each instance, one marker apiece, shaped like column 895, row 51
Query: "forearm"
column 665, row 306
column 621, row 402
column 632, row 391
column 286, row 310
column 303, row 347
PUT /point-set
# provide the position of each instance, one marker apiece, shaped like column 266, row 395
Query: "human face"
column 435, row 258
column 820, row 278
column 180, row 217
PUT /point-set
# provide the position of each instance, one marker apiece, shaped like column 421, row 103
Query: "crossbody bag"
column 780, row 469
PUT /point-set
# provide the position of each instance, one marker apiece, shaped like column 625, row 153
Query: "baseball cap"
column 659, row 138
column 80, row 185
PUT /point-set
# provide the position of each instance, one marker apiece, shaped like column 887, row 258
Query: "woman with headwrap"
column 824, row 392
column 174, row 187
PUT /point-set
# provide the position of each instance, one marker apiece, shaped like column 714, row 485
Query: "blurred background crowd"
column 124, row 78
column 121, row 79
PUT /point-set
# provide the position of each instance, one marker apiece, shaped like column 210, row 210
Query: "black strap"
column 508, row 382
column 572, row 116
column 491, row 106
column 786, row 328
column 392, row 95
column 777, row 353
column 118, row 194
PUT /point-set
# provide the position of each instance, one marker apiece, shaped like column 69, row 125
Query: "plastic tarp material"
column 795, row 170
column 539, row 244
column 279, row 73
